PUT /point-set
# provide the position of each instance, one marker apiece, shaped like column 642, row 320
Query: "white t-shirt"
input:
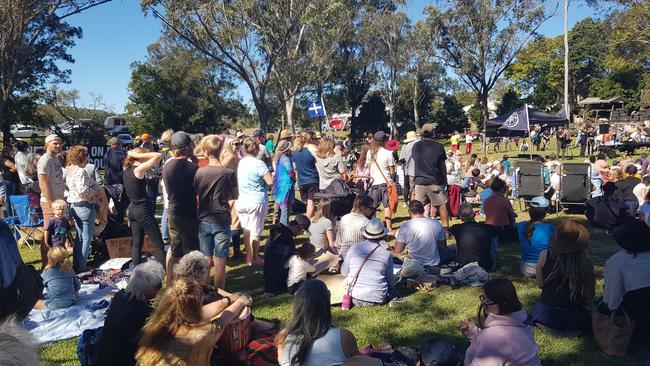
column 421, row 236
column 384, row 160
column 298, row 270
column 250, row 178
column 640, row 191
column 469, row 139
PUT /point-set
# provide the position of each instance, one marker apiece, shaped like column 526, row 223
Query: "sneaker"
column 397, row 302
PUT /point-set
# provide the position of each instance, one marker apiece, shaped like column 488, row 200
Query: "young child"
column 57, row 232
column 322, row 235
column 60, row 281
column 299, row 267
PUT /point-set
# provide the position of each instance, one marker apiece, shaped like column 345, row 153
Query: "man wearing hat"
column 374, row 283
column 406, row 158
column 279, row 248
column 382, row 170
column 178, row 176
column 50, row 181
column 431, row 173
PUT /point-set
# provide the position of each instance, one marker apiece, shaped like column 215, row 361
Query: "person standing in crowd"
column 22, row 159
column 474, row 240
column 216, row 186
column 50, row 182
column 330, row 165
column 423, row 237
column 566, row 276
column 431, row 174
column 455, row 139
column 165, row 149
column 349, row 230
column 626, row 187
column 406, row 158
column 382, row 171
column 307, row 174
column 262, row 154
column 253, row 177
column 229, row 158
column 284, row 180
column 178, row 176
column 368, row 268
column 127, row 314
column 468, row 142
column 141, row 213
column 502, row 336
column 534, row 235
column 113, row 161
column 83, row 194
column 9, row 171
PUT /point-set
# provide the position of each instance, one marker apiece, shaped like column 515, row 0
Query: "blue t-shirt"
column 530, row 249
column 250, row 177
column 506, row 165
column 485, row 194
column 305, row 166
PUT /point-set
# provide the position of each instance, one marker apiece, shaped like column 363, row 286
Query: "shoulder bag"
column 612, row 332
column 346, row 304
column 393, row 198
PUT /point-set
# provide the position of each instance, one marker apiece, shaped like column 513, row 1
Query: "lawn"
column 433, row 314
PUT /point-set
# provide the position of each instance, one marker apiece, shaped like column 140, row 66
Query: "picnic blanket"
column 88, row 312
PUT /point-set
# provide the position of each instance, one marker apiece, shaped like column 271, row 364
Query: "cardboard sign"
column 336, row 285
column 121, row 247
column 323, row 260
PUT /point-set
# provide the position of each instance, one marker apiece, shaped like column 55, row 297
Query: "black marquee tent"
column 519, row 122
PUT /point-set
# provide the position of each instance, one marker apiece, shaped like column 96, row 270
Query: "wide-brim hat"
column 428, row 127
column 375, row 230
column 569, row 237
column 392, row 145
column 633, row 236
column 286, row 134
column 410, row 136
column 283, row 146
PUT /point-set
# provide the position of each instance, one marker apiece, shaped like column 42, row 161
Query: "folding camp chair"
column 27, row 222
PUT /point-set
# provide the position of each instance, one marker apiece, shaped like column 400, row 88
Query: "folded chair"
column 27, row 222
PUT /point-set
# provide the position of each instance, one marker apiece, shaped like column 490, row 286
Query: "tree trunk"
column 416, row 113
column 288, row 108
column 486, row 116
column 4, row 124
column 319, row 95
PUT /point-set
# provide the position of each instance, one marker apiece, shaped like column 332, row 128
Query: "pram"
column 342, row 194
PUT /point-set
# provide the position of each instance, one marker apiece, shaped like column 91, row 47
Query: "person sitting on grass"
column 59, row 280
column 349, row 230
column 566, row 276
column 321, row 229
column 310, row 339
column 498, row 210
column 299, row 267
column 177, row 334
column 280, row 246
column 58, row 232
column 424, row 238
column 127, row 315
column 502, row 336
column 534, row 235
column 606, row 211
column 474, row 240
column 369, row 268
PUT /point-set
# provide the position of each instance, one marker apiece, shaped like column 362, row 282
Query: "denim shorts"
column 214, row 239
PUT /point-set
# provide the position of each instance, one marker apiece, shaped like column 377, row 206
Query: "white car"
column 22, row 131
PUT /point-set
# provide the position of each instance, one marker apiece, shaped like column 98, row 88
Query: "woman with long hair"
column 534, row 235
column 329, row 164
column 566, row 276
column 322, row 227
column 502, row 336
column 310, row 339
column 83, row 194
column 229, row 158
column 382, row 170
column 176, row 333
column 141, row 213
column 283, row 180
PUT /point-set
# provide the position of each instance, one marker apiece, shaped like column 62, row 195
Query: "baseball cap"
column 380, row 136
column 304, row 222
column 180, row 140
column 540, row 201
column 51, row 138
column 258, row 133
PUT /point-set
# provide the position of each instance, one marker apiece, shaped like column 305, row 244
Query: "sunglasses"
column 484, row 302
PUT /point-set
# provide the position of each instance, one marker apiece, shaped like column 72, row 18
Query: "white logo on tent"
column 512, row 121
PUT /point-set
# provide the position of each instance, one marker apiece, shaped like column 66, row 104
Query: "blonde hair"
column 57, row 257
column 60, row 204
column 179, row 308
column 199, row 149
column 228, row 156
column 166, row 136
column 212, row 146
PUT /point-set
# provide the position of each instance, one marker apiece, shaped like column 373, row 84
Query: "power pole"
column 566, row 60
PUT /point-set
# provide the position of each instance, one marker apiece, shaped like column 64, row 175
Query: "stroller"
column 342, row 194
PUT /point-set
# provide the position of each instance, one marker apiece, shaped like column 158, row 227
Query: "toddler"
column 299, row 267
column 59, row 279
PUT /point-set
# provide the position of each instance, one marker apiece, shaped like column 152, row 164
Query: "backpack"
column 436, row 352
column 87, row 346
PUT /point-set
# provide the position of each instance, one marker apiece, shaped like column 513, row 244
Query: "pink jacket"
column 505, row 341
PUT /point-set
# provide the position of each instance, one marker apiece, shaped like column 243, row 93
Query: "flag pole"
column 566, row 60
column 322, row 102
column 530, row 142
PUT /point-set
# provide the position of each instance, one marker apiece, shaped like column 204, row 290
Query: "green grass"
column 436, row 313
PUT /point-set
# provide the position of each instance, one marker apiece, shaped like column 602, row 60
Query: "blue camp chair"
column 27, row 222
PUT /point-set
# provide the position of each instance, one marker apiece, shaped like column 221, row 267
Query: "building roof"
column 596, row 100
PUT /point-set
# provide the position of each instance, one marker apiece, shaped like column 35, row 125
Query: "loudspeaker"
column 603, row 128
column 575, row 168
column 530, row 181
column 527, row 167
column 575, row 185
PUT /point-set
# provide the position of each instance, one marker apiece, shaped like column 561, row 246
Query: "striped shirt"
column 349, row 231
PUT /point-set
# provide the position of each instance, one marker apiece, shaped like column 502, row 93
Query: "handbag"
column 346, row 304
column 23, row 293
column 393, row 197
column 612, row 332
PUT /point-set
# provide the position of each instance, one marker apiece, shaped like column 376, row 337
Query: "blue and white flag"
column 517, row 121
column 316, row 109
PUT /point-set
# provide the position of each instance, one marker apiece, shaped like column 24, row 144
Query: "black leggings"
column 144, row 222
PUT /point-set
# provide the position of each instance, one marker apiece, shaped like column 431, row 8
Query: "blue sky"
column 118, row 33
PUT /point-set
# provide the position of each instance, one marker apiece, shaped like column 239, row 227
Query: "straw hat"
column 283, row 146
column 286, row 134
column 410, row 136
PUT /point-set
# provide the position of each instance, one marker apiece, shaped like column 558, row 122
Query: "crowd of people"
column 215, row 192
